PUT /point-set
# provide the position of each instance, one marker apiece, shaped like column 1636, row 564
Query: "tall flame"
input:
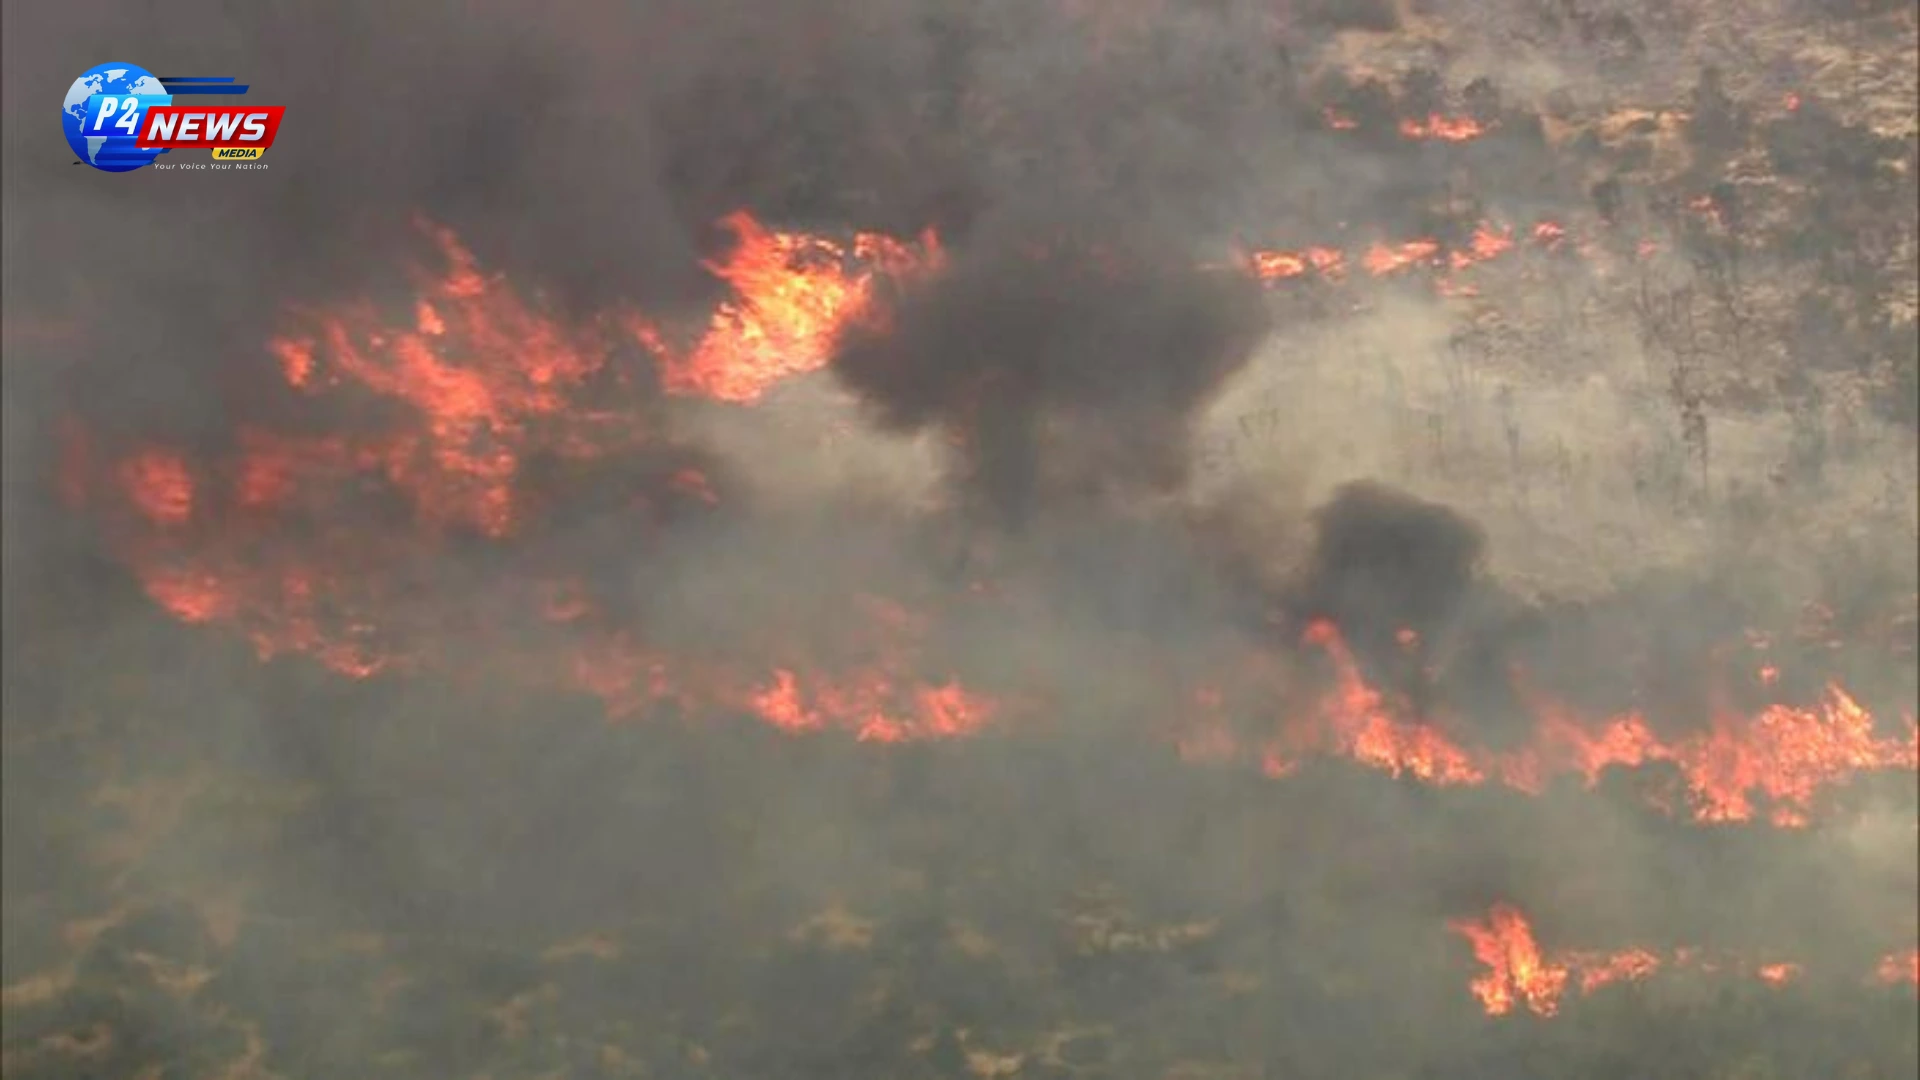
column 792, row 294
column 1782, row 756
column 1517, row 972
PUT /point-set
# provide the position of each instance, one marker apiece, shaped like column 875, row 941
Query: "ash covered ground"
column 1141, row 539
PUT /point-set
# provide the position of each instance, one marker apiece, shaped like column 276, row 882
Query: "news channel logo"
column 110, row 110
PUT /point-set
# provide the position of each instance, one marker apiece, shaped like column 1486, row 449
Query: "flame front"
column 1443, row 128
column 1383, row 258
column 1517, row 972
column 1520, row 973
column 479, row 382
column 482, row 380
column 1783, row 756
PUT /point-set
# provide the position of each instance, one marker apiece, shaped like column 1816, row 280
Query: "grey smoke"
column 472, row 822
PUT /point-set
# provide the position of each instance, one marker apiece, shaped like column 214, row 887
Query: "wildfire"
column 792, row 294
column 1272, row 266
column 1435, row 127
column 1489, row 242
column 1355, row 721
column 1519, row 973
column 479, row 368
column 1383, row 259
column 866, row 706
column 476, row 381
column 1900, row 967
column 1783, row 756
column 1444, row 128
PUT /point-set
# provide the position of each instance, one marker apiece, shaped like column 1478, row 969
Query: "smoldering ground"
column 380, row 868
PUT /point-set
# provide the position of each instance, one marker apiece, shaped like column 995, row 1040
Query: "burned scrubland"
column 1164, row 539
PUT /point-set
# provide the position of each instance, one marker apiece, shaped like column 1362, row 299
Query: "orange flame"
column 1273, row 265
column 478, row 369
column 1444, row 128
column 1356, row 722
column 862, row 705
column 1784, row 755
column 1601, row 969
column 1519, row 972
column 1278, row 265
column 1388, row 259
column 792, row 295
column 1900, row 967
column 479, row 379
column 1488, row 242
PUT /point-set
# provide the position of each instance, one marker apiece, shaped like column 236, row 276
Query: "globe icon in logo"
column 111, row 148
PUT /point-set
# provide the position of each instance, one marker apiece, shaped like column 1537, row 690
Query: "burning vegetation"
column 926, row 579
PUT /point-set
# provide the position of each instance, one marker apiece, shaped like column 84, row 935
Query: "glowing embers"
column 322, row 542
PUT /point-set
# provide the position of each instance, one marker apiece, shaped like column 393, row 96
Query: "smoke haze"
column 1105, row 660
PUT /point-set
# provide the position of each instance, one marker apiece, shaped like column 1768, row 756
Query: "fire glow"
column 1521, row 975
column 1443, row 128
column 1381, row 259
column 792, row 294
column 1770, row 766
column 487, row 382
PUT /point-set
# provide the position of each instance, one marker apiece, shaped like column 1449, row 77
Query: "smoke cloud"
column 1040, row 367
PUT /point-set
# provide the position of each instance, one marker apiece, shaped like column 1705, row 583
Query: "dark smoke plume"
column 1384, row 560
column 1058, row 373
